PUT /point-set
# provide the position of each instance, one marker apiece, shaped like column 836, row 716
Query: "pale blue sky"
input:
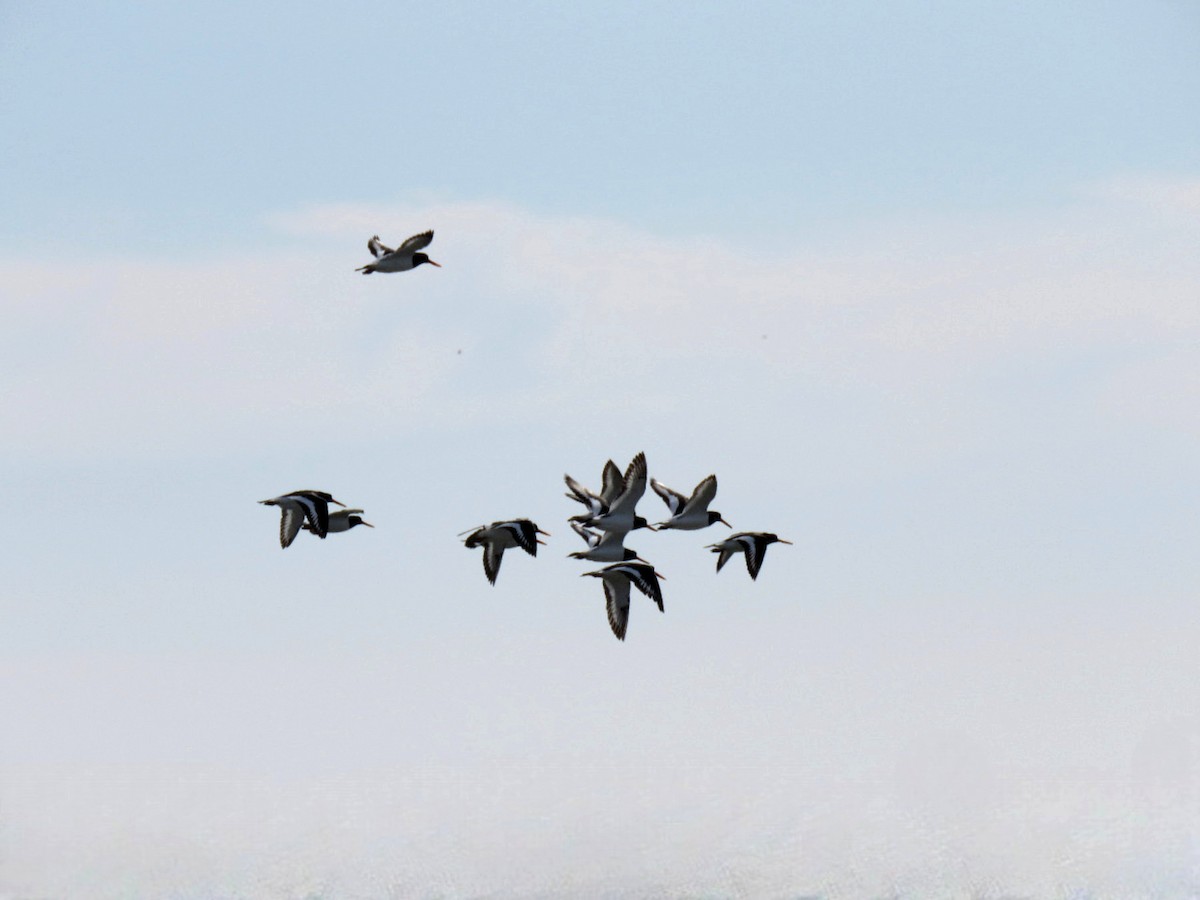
column 172, row 124
column 917, row 281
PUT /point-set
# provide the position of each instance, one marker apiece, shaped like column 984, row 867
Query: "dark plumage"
column 500, row 536
column 751, row 543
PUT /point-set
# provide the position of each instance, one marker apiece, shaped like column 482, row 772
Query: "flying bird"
column 619, row 514
column 299, row 506
column 617, row 578
column 752, row 543
column 603, row 546
column 401, row 259
column 689, row 513
column 342, row 520
column 500, row 536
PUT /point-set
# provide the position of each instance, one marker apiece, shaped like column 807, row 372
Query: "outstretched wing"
column 645, row 579
column 377, row 247
column 616, row 597
column 703, row 495
column 289, row 525
column 587, row 534
column 492, row 554
column 612, row 483
column 726, row 551
column 416, row 242
column 592, row 501
column 634, row 486
column 756, row 552
column 524, row 534
column 316, row 511
column 675, row 501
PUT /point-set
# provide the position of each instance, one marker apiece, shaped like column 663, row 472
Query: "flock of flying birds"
column 608, row 517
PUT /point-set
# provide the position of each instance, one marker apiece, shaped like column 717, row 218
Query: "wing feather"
column 316, row 511
column 289, row 525
column 416, row 242
column 378, row 248
column 703, row 495
column 645, row 579
column 616, row 597
column 524, row 534
column 634, row 486
column 674, row 500
column 587, row 534
column 493, row 553
column 612, row 483
column 756, row 552
column 594, row 503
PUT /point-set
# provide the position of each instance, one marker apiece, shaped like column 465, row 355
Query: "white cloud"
column 531, row 313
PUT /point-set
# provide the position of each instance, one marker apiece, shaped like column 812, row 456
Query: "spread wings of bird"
column 316, row 510
column 416, row 242
column 378, row 248
column 616, row 597
column 634, row 486
column 645, row 579
column 756, row 552
column 675, row 501
column 725, row 552
column 524, row 534
column 703, row 495
column 613, row 483
column 594, row 502
column 587, row 534
column 641, row 576
column 289, row 525
column 493, row 553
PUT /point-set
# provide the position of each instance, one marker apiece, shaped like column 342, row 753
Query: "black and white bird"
column 620, row 515
column 299, row 506
column 500, row 536
column 603, row 546
column 617, row 578
column 752, row 543
column 401, row 259
column 611, row 486
column 689, row 513
column 342, row 520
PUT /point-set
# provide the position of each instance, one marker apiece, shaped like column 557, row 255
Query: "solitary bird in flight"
column 401, row 259
column 752, row 543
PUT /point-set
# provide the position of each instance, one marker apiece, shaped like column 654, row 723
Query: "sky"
column 917, row 281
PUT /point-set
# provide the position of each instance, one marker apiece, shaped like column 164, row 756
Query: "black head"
column 714, row 517
column 639, row 522
column 357, row 520
column 421, row 258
